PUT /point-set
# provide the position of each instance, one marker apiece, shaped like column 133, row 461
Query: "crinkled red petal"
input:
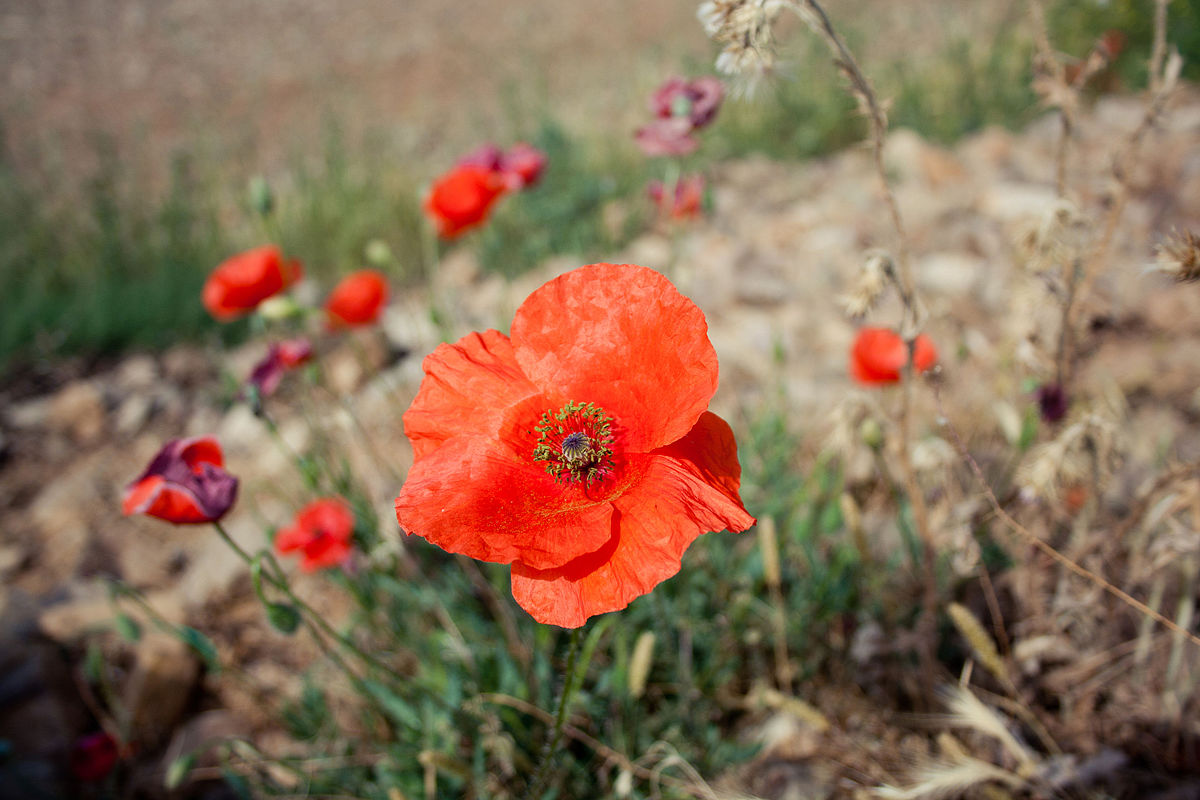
column 467, row 389
column 622, row 337
column 476, row 496
column 687, row 489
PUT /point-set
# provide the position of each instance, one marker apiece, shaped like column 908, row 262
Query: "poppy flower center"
column 575, row 442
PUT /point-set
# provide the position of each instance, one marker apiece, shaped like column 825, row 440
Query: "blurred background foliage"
column 116, row 261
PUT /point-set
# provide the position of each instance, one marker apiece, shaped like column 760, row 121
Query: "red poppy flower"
column 879, row 354
column 696, row 100
column 280, row 357
column 357, row 299
column 685, row 201
column 462, row 198
column 94, row 756
column 580, row 449
column 239, row 284
column 322, row 531
column 186, row 483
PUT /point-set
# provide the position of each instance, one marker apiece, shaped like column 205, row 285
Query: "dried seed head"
column 1179, row 256
column 745, row 27
column 868, row 288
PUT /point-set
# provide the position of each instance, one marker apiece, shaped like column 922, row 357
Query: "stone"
column 78, row 411
column 28, row 414
column 188, row 366
column 155, row 694
column 133, row 413
column 138, row 373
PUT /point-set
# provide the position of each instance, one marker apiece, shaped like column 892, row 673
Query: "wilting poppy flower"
column 580, row 448
column 280, row 357
column 666, row 137
column 357, row 299
column 879, row 354
column 521, row 166
column 239, row 284
column 94, row 756
column 684, row 202
column 696, row 100
column 462, row 198
column 322, row 531
column 186, row 483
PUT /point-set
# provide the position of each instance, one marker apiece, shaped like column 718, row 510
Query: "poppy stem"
column 541, row 777
column 275, row 577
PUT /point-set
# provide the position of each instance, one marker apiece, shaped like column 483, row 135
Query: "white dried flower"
column 745, row 27
column 1179, row 256
column 869, row 286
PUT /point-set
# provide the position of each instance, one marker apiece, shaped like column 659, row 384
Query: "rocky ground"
column 782, row 241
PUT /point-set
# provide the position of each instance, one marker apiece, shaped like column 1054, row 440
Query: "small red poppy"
column 463, row 198
column 879, row 354
column 322, row 531
column 186, row 484
column 239, row 284
column 94, row 756
column 684, row 202
column 280, row 357
column 580, row 449
column 357, row 299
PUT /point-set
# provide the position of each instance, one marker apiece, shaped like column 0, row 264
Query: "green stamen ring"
column 576, row 442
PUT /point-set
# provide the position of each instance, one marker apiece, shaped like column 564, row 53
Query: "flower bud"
column 871, row 433
column 262, row 199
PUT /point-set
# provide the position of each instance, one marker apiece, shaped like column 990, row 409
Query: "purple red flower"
column 281, row 357
column 186, row 483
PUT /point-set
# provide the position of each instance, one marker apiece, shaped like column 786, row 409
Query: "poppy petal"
column 477, row 497
column 174, row 504
column 201, row 450
column 467, row 387
column 687, row 489
column 622, row 337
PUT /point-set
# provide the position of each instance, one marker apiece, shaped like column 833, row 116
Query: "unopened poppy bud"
column 283, row 618
column 640, row 663
column 262, row 199
column 379, row 253
column 871, row 433
column 279, row 308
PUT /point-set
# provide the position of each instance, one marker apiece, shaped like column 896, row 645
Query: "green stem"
column 570, row 682
column 276, row 578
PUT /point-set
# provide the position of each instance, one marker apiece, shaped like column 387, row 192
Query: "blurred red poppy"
column 580, row 450
column 280, row 357
column 684, row 202
column 322, row 531
column 357, row 299
column 94, row 756
column 186, row 483
column 880, row 354
column 463, row 198
column 239, row 284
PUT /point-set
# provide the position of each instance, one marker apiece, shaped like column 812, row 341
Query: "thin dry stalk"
column 610, row 755
column 1044, row 547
